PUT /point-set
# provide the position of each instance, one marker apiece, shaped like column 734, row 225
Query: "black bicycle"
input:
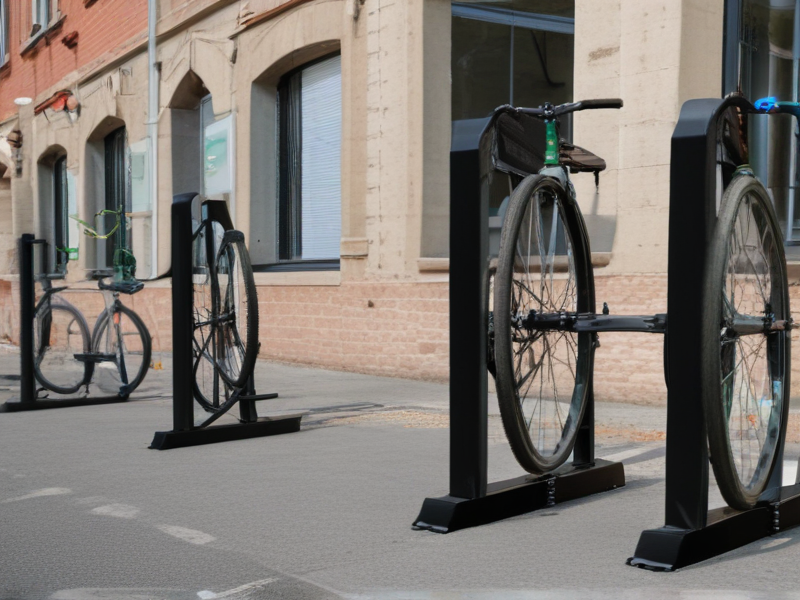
column 225, row 314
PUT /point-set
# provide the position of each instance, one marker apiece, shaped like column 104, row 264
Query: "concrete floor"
column 87, row 511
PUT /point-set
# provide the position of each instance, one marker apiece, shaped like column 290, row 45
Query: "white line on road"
column 187, row 535
column 209, row 595
column 123, row 511
column 789, row 472
column 630, row 453
column 40, row 494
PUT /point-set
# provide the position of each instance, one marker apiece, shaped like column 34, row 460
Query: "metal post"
column 469, row 250
column 27, row 298
column 182, row 307
column 692, row 216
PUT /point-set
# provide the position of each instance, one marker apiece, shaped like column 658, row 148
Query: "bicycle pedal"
column 256, row 397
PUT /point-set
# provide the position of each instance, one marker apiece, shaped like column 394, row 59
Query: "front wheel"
column 238, row 311
column 745, row 343
column 122, row 336
column 543, row 374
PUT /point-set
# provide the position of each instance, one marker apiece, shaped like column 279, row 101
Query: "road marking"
column 209, row 595
column 40, row 494
column 187, row 535
column 789, row 472
column 630, row 453
column 123, row 511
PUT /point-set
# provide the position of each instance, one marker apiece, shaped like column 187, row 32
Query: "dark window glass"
column 115, row 188
column 61, row 212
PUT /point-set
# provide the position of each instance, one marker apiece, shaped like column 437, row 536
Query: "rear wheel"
column 59, row 333
column 543, row 375
column 745, row 343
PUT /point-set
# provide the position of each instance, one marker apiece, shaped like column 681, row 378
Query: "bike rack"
column 184, row 433
column 28, row 398
column 472, row 500
column 691, row 532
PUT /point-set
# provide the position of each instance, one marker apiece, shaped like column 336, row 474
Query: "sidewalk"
column 87, row 511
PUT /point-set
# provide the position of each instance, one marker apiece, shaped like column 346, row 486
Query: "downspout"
column 152, row 131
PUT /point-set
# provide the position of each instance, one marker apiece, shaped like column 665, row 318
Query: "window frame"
column 289, row 222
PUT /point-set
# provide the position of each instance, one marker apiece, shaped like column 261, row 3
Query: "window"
column 217, row 148
column 761, row 58
column 3, row 31
column 115, row 189
column 309, row 165
column 517, row 52
column 41, row 15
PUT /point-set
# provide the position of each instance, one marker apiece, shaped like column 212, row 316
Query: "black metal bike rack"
column 473, row 500
column 184, row 432
column 29, row 398
column 691, row 532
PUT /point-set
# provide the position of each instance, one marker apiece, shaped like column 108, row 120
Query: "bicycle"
column 545, row 326
column 225, row 341
column 117, row 354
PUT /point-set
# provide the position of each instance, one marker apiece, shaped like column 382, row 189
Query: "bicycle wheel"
column 207, row 384
column 129, row 342
column 238, row 311
column 59, row 333
column 745, row 342
column 543, row 373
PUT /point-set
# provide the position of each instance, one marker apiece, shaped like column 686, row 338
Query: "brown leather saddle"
column 579, row 160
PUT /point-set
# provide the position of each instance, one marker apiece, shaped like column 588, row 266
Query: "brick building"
column 361, row 281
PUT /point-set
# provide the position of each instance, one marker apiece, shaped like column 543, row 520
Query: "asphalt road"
column 87, row 511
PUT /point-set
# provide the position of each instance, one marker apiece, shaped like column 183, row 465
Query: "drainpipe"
column 152, row 131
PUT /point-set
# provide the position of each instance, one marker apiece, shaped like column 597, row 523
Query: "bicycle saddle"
column 124, row 287
column 579, row 160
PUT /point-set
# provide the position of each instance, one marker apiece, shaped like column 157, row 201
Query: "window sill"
column 47, row 34
column 299, row 278
column 442, row 265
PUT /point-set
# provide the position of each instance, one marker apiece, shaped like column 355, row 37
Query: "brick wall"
column 401, row 330
column 103, row 27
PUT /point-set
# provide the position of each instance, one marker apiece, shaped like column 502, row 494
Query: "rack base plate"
column 166, row 440
column 521, row 495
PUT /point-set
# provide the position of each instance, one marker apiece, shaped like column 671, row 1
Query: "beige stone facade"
column 385, row 310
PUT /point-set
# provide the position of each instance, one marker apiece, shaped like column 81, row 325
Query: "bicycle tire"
column 144, row 349
column 745, row 277
column 55, row 366
column 544, row 441
column 238, row 309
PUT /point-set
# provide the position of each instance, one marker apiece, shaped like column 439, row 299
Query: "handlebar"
column 772, row 105
column 548, row 111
